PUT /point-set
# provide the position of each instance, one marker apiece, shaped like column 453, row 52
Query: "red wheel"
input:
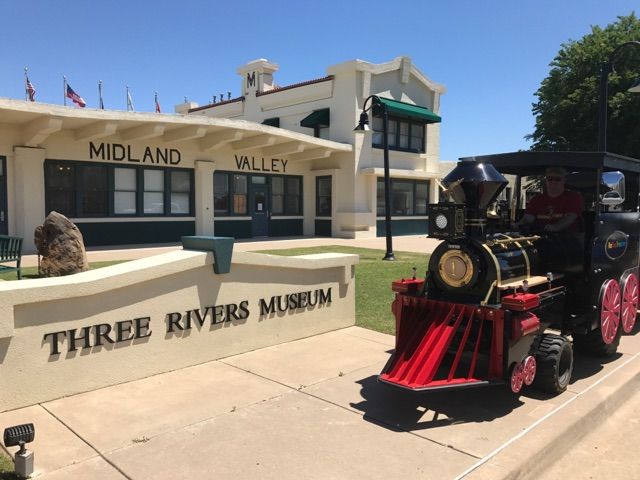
column 610, row 301
column 529, row 370
column 629, row 302
column 517, row 377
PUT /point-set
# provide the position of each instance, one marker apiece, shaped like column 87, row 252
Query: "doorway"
column 259, row 206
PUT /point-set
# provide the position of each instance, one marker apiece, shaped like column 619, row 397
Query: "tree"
column 567, row 108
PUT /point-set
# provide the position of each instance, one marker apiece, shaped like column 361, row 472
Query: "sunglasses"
column 554, row 179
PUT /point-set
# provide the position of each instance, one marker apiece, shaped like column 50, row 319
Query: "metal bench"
column 10, row 251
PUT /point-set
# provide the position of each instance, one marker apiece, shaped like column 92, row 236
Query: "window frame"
column 285, row 196
column 414, row 182
column 78, row 189
column 412, row 124
column 318, row 180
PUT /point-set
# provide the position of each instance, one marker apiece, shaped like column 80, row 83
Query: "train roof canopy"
column 527, row 163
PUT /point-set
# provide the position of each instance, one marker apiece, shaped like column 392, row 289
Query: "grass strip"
column 32, row 272
column 373, row 280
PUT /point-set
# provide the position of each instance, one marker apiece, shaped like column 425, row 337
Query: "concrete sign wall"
column 62, row 336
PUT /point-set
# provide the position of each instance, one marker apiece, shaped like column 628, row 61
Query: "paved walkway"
column 312, row 409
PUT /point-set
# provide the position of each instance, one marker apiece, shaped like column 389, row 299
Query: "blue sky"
column 490, row 55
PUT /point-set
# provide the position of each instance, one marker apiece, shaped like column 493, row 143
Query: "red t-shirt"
column 548, row 210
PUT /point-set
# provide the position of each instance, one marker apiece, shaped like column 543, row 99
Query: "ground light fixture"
column 362, row 127
column 605, row 69
column 20, row 435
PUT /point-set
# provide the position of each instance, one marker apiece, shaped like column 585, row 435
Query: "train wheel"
column 604, row 340
column 554, row 363
column 610, row 301
column 529, row 369
column 629, row 302
column 517, row 377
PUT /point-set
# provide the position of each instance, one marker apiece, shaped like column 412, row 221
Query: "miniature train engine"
column 479, row 316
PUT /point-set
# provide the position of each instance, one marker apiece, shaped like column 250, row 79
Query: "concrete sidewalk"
column 313, row 409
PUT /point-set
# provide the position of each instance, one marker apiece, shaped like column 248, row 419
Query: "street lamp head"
column 635, row 88
column 363, row 124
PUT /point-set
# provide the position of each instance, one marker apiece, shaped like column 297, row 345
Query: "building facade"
column 349, row 189
column 276, row 161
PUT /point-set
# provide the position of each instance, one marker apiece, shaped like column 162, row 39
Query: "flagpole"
column 100, row 94
column 26, row 91
column 64, row 90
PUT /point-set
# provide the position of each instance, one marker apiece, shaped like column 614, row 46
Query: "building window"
column 220, row 193
column 180, row 192
column 408, row 197
column 94, row 199
column 59, row 179
column 323, row 196
column 124, row 191
column 153, row 198
column 293, row 196
column 83, row 189
column 403, row 134
column 240, row 194
column 277, row 195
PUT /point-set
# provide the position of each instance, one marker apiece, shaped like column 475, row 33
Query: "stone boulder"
column 60, row 244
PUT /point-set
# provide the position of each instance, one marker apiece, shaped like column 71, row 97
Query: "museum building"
column 275, row 161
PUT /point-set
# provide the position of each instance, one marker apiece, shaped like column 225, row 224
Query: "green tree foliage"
column 567, row 108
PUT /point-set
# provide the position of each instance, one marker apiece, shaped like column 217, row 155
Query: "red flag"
column 75, row 98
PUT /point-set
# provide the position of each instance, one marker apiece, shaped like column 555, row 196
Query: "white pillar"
column 204, row 197
column 28, row 188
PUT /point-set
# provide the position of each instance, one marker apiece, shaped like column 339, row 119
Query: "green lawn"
column 32, row 272
column 373, row 281
column 6, row 467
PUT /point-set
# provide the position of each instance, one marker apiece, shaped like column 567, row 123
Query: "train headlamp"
column 446, row 220
column 441, row 221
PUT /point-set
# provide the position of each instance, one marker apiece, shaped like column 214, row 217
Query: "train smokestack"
column 476, row 186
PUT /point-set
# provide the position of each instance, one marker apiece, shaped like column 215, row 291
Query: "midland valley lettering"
column 129, row 330
column 261, row 164
column 118, row 153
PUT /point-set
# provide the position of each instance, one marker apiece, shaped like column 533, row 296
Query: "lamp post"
column 363, row 126
column 605, row 69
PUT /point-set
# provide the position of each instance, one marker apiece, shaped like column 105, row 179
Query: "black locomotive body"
column 499, row 305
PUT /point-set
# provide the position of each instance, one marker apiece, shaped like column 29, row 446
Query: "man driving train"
column 556, row 209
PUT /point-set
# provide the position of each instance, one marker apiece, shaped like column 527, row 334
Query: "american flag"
column 31, row 91
column 75, row 98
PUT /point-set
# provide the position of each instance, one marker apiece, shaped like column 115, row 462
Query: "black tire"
column 554, row 357
column 592, row 343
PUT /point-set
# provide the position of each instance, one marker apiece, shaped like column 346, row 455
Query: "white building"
column 276, row 161
column 346, row 191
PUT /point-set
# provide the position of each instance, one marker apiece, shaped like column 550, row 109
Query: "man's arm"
column 562, row 224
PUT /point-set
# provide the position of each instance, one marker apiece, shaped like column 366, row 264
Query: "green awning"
column 407, row 110
column 317, row 118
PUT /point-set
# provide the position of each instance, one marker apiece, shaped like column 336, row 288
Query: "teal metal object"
column 221, row 247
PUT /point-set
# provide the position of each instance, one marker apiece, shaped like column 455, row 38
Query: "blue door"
column 259, row 206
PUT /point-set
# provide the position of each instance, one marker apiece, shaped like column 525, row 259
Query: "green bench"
column 10, row 251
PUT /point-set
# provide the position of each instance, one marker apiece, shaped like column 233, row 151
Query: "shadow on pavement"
column 409, row 411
